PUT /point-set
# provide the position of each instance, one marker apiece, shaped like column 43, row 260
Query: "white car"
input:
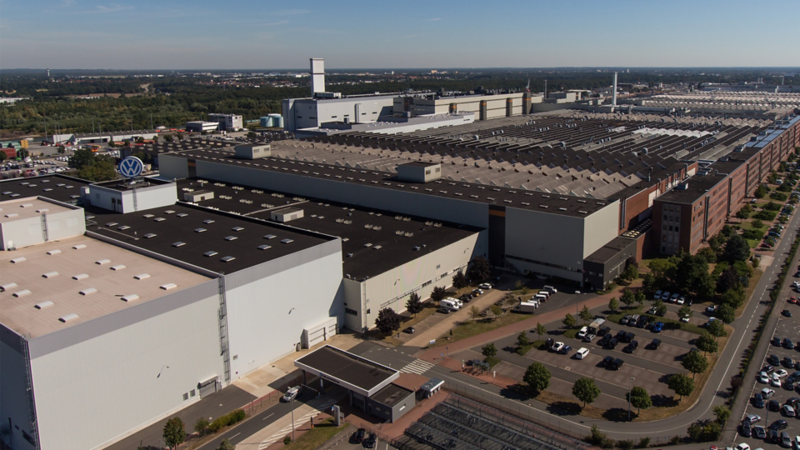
column 780, row 373
column 711, row 309
column 557, row 347
column 775, row 382
column 291, row 394
column 763, row 377
column 582, row 333
column 681, row 300
column 752, row 418
column 581, row 353
column 485, row 286
column 685, row 319
column 767, row 393
column 742, row 446
column 796, row 443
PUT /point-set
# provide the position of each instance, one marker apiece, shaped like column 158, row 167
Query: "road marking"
column 417, row 366
column 265, row 418
column 236, row 435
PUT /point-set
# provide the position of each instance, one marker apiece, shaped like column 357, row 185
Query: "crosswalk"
column 297, row 423
column 417, row 366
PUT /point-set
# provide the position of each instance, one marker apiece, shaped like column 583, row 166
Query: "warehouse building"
column 227, row 122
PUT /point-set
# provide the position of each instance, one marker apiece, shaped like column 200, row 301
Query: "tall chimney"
column 545, row 90
column 317, row 76
column 614, row 98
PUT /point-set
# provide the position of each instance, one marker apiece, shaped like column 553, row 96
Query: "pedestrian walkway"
column 287, row 429
column 417, row 366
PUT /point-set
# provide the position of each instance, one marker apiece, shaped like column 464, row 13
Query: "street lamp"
column 292, row 403
column 629, row 399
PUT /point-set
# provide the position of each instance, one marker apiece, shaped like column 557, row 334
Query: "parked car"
column 582, row 333
column 747, row 429
column 787, row 362
column 779, row 425
column 604, row 340
column 581, row 353
column 602, row 331
column 624, row 320
column 774, row 405
column 752, row 418
column 657, row 295
column 786, row 313
column 788, row 344
column 711, row 309
column 612, row 344
column 630, row 348
column 617, row 364
column 642, row 322
column 371, row 441
column 658, row 327
column 607, row 361
column 781, row 373
column 485, row 286
column 758, row 401
column 787, row 411
column 291, row 394
column 629, row 337
column 557, row 347
column 773, row 359
column 759, row 432
column 359, row 436
column 409, row 330
column 776, row 341
column 549, row 343
column 767, row 392
column 565, row 349
column 654, row 344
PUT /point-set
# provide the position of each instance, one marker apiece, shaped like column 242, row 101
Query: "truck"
column 526, row 307
column 593, row 328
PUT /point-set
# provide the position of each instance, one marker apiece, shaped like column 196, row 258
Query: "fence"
column 260, row 404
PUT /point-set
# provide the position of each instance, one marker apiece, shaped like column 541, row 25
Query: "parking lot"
column 772, row 409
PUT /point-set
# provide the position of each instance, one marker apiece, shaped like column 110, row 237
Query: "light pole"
column 629, row 399
column 292, row 403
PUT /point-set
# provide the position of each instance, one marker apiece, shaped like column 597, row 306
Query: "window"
column 185, row 396
column 427, row 172
column 351, row 311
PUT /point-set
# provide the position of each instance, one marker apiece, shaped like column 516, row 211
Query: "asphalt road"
column 253, row 425
column 714, row 393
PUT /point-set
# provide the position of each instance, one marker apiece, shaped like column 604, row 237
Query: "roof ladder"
column 29, row 387
column 223, row 329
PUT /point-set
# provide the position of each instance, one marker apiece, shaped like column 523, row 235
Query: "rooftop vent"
column 148, row 216
column 79, row 247
column 88, row 291
column 270, row 236
column 130, row 298
column 142, row 276
column 264, row 247
column 18, row 260
column 50, row 275
column 207, row 221
column 22, row 293
column 111, row 224
column 54, row 252
column 44, row 305
column 68, row 318
column 117, row 267
column 7, row 286
column 237, row 228
column 231, row 238
column 149, row 235
column 179, row 215
column 287, row 241
column 169, row 286
column 102, row 262
column 161, row 219
column 227, row 259
column 200, row 230
column 80, row 276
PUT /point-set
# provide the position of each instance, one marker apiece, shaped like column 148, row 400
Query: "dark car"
column 604, row 340
column 654, row 344
column 759, row 432
column 786, row 441
column 787, row 362
column 788, row 385
column 409, row 330
column 769, row 369
column 625, row 319
column 776, row 341
column 758, row 401
column 607, row 361
column 617, row 364
column 630, row 348
column 747, row 429
column 786, row 313
column 603, row 331
column 621, row 335
column 773, row 436
column 629, row 337
column 612, row 343
column 548, row 344
column 359, row 436
column 642, row 322
column 792, row 402
column 788, row 344
column 779, row 425
column 565, row 349
column 371, row 441
column 774, row 405
column 773, row 360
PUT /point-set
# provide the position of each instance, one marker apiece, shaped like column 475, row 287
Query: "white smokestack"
column 317, row 75
column 614, row 98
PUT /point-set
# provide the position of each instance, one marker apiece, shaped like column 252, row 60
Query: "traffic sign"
column 131, row 167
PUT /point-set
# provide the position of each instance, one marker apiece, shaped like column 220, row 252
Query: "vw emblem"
column 131, row 167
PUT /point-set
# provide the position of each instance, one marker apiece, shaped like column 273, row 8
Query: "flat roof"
column 126, row 184
column 203, row 237
column 391, row 395
column 696, row 187
column 45, row 275
column 57, row 187
column 419, row 164
column 26, row 207
column 387, row 248
column 354, row 370
column 552, row 203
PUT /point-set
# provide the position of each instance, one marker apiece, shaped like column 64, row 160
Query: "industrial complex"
column 240, row 252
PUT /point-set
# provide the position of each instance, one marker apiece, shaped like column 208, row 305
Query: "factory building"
column 173, row 302
column 227, row 122
column 484, row 107
column 102, row 137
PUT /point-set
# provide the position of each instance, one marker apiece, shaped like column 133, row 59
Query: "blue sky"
column 268, row 34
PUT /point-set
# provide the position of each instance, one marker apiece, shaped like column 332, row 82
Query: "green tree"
column 102, row 170
column 22, row 153
column 736, row 249
column 489, row 350
column 744, row 212
column 726, row 313
column 388, row 321
column 716, row 328
column 661, row 308
column 81, row 158
column 536, row 378
column 681, row 384
column 438, row 294
column 226, row 445
column 586, row 315
column 569, row 321
column 414, row 304
column 460, row 280
column 628, row 297
column 174, row 434
column 706, row 343
column 540, row 330
column 631, row 271
column 640, row 297
column 474, row 312
column 479, row 269
column 251, row 135
column 522, row 339
column 685, row 311
column 639, row 398
column 716, row 242
column 757, row 223
column 722, row 413
column 708, row 254
column 728, row 279
column 496, row 311
column 613, row 304
column 201, row 426
column 585, row 390
column 695, row 363
column 734, row 297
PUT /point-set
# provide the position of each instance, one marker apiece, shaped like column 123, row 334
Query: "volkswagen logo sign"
column 131, row 167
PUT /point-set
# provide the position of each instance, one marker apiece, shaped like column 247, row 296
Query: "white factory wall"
column 540, row 237
column 600, row 228
column 270, row 304
column 309, row 113
column 146, row 198
column 403, row 202
column 26, row 232
column 392, row 288
column 111, row 372
column 14, row 401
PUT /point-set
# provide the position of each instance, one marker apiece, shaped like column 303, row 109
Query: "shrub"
column 769, row 216
column 778, row 196
column 625, row 445
column 287, row 440
column 772, row 206
column 644, row 442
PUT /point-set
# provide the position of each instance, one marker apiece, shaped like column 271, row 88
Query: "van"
column 540, row 297
column 581, row 353
column 551, row 289
column 545, row 293
column 449, row 304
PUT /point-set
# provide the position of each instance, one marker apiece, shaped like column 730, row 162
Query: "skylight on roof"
column 142, row 276
column 270, row 236
column 287, row 241
column 200, row 230
column 207, row 221
column 210, row 253
column 227, row 259
column 178, row 244
column 149, row 235
column 237, row 228
column 231, row 238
